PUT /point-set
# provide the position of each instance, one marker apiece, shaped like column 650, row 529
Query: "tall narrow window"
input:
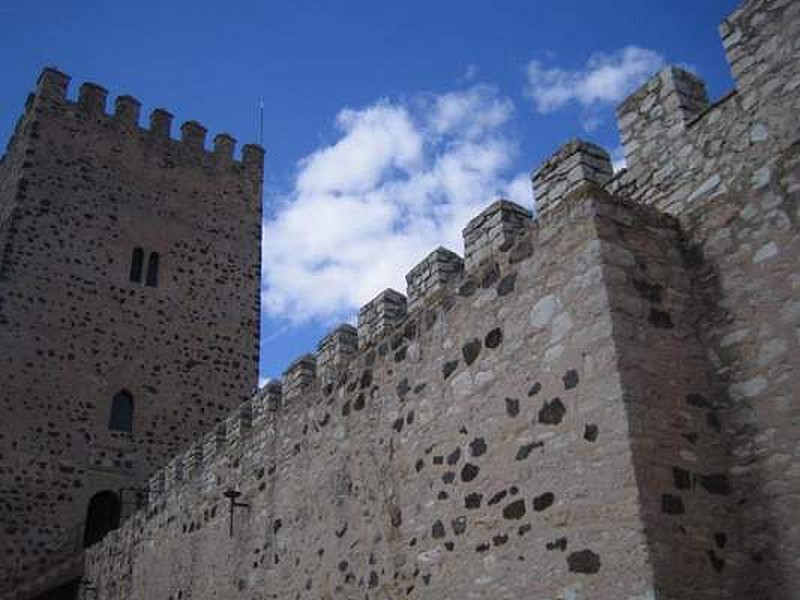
column 152, row 269
column 137, row 260
column 121, row 418
column 101, row 517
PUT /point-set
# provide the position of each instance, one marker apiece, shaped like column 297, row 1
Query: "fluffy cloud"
column 401, row 179
column 618, row 158
column 605, row 79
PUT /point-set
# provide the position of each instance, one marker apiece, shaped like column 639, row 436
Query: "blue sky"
column 387, row 125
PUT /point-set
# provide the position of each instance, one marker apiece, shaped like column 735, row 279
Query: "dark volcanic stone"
column 494, row 338
column 570, row 379
column 559, row 544
column 437, row 531
column 512, row 407
column 583, row 561
column 403, row 388
column 552, row 413
column 453, row 457
column 471, row 350
column 477, row 447
column 514, row 510
column 525, row 451
column 449, row 367
column 544, row 501
column 506, row 285
column 473, row 500
column 469, row 472
column 497, row 497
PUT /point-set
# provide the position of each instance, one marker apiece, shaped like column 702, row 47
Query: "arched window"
column 101, row 517
column 137, row 261
column 152, row 269
column 121, row 418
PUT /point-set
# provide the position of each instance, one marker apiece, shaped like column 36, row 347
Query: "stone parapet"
column 380, row 315
column 298, row 376
column 52, row 88
column 575, row 164
column 493, row 230
column 335, row 350
column 432, row 275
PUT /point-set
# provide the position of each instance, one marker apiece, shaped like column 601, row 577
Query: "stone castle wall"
column 79, row 190
column 600, row 403
column 729, row 172
column 454, row 456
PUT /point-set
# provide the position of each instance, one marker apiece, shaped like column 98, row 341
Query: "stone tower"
column 129, row 311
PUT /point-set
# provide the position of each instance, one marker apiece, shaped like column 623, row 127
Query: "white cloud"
column 401, row 179
column 520, row 190
column 471, row 72
column 374, row 139
column 618, row 159
column 470, row 113
column 605, row 79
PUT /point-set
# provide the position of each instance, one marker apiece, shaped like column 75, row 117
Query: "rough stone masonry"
column 599, row 403
column 129, row 311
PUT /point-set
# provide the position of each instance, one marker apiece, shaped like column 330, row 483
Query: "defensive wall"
column 598, row 403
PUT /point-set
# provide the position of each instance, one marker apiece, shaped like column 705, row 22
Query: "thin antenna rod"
column 261, row 121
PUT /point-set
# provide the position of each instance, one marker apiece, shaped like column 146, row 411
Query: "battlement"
column 405, row 375
column 501, row 232
column 658, row 113
column 678, row 145
column 432, row 275
column 575, row 164
column 52, row 94
column 493, row 230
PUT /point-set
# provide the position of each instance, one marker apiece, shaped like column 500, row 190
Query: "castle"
column 600, row 402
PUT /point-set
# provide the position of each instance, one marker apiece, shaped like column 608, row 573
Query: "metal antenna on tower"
column 261, row 122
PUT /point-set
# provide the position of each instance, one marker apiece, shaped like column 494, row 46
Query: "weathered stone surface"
column 602, row 408
column 467, row 445
column 80, row 191
column 575, row 164
column 380, row 315
column 493, row 232
column 432, row 276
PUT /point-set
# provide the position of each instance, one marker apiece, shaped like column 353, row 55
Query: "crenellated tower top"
column 52, row 93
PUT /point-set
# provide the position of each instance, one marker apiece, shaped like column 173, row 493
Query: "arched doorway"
column 101, row 517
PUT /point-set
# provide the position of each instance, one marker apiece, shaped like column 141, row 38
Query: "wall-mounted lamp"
column 232, row 494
